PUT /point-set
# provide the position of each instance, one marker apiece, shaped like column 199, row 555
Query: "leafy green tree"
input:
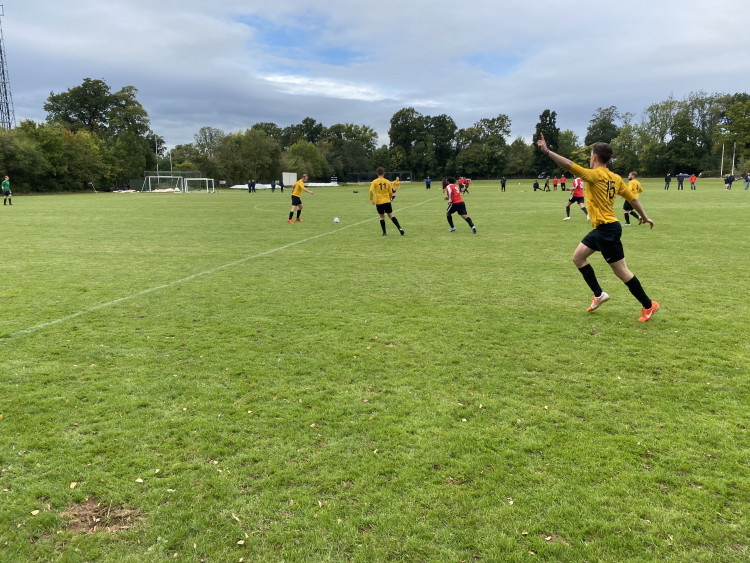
column 305, row 158
column 441, row 144
column 312, row 131
column 381, row 157
column 548, row 126
column 520, row 159
column 130, row 156
column 86, row 106
column 22, row 158
column 602, row 127
column 407, row 125
column 682, row 148
column 248, row 155
column 627, row 149
column 735, row 128
column 568, row 142
column 271, row 129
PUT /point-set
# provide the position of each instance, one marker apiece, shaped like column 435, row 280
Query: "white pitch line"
column 189, row 278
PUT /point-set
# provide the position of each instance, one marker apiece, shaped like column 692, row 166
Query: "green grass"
column 321, row 393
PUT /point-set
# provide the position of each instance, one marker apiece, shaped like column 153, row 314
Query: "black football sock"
column 299, row 211
column 291, row 214
column 634, row 214
column 395, row 222
column 590, row 278
column 468, row 220
column 450, row 221
column 627, row 218
column 635, row 288
column 382, row 225
column 584, row 211
column 567, row 211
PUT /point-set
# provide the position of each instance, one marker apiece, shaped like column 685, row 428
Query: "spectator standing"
column 693, row 179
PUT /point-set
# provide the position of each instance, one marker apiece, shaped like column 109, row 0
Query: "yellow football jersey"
column 382, row 190
column 602, row 185
column 635, row 185
column 299, row 186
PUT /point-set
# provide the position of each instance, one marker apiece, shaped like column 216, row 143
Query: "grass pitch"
column 188, row 376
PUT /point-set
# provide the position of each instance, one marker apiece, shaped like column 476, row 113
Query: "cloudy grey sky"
column 232, row 63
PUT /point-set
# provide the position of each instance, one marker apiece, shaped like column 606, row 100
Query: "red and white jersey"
column 577, row 187
column 454, row 194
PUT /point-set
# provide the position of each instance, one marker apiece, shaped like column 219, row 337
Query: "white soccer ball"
column 335, row 219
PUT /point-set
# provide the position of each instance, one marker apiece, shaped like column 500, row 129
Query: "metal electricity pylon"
column 7, row 115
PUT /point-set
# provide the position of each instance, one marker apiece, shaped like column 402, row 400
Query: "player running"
column 634, row 185
column 602, row 186
column 576, row 197
column 456, row 205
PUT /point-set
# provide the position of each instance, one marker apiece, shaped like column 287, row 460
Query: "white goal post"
column 162, row 184
column 194, row 185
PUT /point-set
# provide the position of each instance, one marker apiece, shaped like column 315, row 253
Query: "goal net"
column 195, row 185
column 162, row 184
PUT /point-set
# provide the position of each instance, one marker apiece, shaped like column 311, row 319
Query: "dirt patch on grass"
column 92, row 516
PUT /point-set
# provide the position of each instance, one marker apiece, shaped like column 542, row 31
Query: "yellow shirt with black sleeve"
column 602, row 185
column 382, row 190
column 299, row 187
column 396, row 184
column 635, row 185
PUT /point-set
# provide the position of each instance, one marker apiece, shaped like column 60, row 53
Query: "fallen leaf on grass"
column 241, row 542
column 73, row 485
column 139, row 480
column 235, row 517
column 34, row 512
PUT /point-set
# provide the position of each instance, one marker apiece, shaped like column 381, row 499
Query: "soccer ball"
column 335, row 219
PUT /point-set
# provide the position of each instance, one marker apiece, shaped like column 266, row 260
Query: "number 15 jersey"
column 602, row 185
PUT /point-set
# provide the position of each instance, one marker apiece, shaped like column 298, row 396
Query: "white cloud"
column 232, row 63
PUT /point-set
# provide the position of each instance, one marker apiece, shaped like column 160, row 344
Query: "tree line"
column 93, row 136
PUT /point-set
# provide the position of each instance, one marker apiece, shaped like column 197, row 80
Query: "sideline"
column 192, row 277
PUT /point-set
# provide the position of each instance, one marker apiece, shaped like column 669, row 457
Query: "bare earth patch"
column 92, row 516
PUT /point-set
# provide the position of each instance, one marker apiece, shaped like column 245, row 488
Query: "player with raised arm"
column 602, row 186
column 456, row 204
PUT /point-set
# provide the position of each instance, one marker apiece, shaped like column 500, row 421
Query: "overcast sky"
column 232, row 63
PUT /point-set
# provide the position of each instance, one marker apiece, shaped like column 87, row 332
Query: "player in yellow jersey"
column 634, row 185
column 299, row 187
column 381, row 194
column 396, row 184
column 602, row 186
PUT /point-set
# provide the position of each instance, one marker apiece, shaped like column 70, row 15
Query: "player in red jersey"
column 576, row 197
column 456, row 205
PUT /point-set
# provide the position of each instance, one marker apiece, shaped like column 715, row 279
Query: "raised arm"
column 561, row 161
